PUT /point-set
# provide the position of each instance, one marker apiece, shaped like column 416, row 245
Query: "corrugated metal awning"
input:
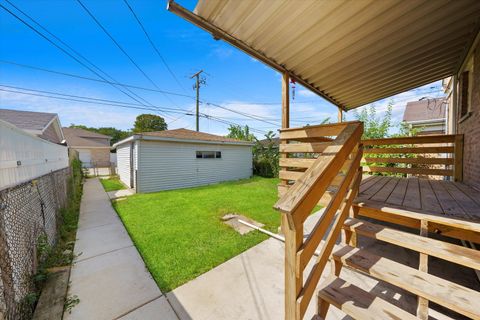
column 350, row 52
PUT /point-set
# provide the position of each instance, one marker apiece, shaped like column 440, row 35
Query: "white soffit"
column 350, row 52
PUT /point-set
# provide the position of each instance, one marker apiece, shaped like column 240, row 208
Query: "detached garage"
column 181, row 158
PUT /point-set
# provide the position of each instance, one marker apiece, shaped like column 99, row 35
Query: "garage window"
column 209, row 154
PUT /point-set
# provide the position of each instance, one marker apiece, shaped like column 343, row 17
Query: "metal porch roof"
column 350, row 52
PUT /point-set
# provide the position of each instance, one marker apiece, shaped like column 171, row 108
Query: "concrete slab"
column 110, row 277
column 251, row 286
column 102, row 239
column 121, row 193
column 157, row 309
column 111, row 285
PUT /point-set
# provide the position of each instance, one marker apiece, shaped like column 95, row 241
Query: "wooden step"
column 436, row 248
column 358, row 303
column 445, row 293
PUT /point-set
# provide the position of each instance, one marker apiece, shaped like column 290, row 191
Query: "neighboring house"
column 427, row 115
column 93, row 148
column 44, row 125
column 181, row 158
column 266, row 142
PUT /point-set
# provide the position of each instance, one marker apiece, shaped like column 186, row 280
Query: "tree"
column 240, row 133
column 374, row 127
column 265, row 156
column 149, row 123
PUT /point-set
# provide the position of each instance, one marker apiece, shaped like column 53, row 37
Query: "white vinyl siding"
column 173, row 165
column 24, row 156
column 123, row 163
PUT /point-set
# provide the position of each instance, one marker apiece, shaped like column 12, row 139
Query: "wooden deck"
column 452, row 199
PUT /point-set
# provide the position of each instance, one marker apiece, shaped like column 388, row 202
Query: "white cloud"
column 306, row 93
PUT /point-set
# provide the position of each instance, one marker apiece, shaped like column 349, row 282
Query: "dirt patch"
column 231, row 219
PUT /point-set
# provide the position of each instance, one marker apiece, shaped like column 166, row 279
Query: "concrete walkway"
column 109, row 276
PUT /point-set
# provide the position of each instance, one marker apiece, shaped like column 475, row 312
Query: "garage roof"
column 183, row 135
column 350, row 52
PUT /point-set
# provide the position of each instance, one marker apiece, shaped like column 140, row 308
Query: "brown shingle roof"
column 83, row 138
column 84, row 133
column 428, row 109
column 189, row 135
column 27, row 120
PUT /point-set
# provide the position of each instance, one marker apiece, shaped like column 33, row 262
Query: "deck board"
column 412, row 196
column 452, row 199
column 385, row 191
column 398, row 194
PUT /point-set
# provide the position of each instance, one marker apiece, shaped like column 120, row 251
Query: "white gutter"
column 441, row 120
column 154, row 138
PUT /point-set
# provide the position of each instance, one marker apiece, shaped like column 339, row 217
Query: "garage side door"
column 86, row 157
column 123, row 163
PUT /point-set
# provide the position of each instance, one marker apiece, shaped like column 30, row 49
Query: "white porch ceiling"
column 350, row 52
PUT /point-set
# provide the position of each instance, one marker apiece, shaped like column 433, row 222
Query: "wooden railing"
column 337, row 162
column 438, row 155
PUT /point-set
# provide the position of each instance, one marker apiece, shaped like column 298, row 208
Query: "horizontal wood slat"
column 410, row 160
column 289, row 175
column 410, row 140
column 437, row 172
column 410, row 150
column 304, row 147
column 296, row 162
column 322, row 130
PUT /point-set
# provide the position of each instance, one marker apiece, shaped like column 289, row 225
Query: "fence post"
column 458, row 154
column 293, row 283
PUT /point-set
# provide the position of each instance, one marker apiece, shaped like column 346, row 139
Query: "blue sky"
column 234, row 79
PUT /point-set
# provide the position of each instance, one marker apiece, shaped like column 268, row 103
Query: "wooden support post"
column 422, row 307
column 293, row 284
column 285, row 111
column 340, row 114
column 458, row 158
column 285, row 101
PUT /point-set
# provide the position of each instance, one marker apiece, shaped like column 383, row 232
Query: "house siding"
column 50, row 134
column 123, row 162
column 470, row 128
column 173, row 165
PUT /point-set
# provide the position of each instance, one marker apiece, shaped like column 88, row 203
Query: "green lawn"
column 180, row 235
column 112, row 184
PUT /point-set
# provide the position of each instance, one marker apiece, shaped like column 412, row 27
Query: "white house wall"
column 173, row 165
column 123, row 162
column 24, row 156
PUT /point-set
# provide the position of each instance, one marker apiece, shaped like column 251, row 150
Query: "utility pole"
column 199, row 81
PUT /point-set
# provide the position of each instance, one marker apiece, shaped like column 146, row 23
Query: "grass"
column 112, row 184
column 180, row 235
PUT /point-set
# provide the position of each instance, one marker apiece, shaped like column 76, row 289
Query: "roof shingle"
column 27, row 120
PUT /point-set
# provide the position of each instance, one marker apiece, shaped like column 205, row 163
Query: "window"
column 208, row 154
column 465, row 82
column 464, row 93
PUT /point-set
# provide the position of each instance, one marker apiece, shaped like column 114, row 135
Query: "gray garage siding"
column 173, row 165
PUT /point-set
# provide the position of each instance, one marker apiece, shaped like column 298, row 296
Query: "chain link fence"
column 28, row 211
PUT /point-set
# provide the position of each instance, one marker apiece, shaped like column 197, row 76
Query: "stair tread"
column 455, row 222
column 358, row 303
column 436, row 248
column 443, row 292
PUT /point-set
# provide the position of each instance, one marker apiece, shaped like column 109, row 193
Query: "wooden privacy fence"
column 438, row 155
column 304, row 182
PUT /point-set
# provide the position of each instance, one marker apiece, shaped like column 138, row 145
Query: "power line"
column 68, row 53
column 93, row 79
column 153, row 45
column 98, row 101
column 121, row 48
